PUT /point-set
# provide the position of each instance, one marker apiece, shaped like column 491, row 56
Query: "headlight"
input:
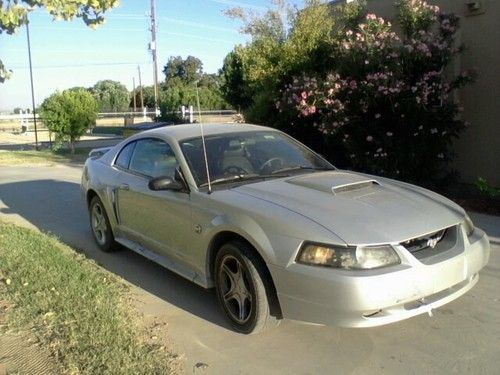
column 468, row 226
column 357, row 258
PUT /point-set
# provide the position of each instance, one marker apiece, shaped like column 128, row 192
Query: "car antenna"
column 203, row 139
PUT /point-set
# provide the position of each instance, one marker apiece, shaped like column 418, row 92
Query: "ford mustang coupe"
column 279, row 231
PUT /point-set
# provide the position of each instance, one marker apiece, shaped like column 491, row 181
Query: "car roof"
column 186, row 131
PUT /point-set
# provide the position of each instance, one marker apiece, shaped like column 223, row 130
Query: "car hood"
column 358, row 208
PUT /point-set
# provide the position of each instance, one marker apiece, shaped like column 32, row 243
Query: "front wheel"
column 101, row 229
column 242, row 288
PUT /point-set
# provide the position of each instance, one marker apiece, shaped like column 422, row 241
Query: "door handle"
column 124, row 187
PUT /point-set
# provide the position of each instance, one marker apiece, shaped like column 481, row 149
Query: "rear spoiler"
column 98, row 152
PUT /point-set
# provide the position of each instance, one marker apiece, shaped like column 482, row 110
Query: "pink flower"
column 389, row 134
column 369, row 138
column 378, row 115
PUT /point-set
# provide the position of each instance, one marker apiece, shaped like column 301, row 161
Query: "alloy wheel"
column 235, row 290
column 99, row 226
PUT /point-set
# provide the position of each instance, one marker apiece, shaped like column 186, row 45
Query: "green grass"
column 116, row 130
column 78, row 310
column 43, row 156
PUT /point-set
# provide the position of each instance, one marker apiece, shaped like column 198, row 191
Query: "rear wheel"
column 242, row 288
column 101, row 229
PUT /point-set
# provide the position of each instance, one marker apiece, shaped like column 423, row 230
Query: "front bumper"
column 377, row 297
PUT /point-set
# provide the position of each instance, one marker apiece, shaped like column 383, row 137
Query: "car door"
column 157, row 220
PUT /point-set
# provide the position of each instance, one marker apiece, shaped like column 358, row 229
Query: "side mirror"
column 165, row 183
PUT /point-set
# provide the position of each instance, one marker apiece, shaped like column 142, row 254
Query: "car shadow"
column 58, row 207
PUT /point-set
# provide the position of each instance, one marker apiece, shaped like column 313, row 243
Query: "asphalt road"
column 461, row 337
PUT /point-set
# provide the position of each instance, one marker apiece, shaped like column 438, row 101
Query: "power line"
column 79, row 65
column 238, row 4
column 162, row 32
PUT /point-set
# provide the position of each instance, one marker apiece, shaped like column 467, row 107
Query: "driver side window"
column 153, row 158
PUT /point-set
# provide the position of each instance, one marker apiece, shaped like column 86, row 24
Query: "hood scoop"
column 334, row 182
column 344, row 188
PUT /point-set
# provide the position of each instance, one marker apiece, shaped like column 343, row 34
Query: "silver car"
column 277, row 230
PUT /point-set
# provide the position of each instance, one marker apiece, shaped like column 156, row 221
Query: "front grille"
column 423, row 242
column 429, row 247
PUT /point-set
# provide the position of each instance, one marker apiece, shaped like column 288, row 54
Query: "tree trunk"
column 72, row 146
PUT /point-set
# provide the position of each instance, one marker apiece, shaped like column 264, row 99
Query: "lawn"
column 115, row 130
column 43, row 157
column 74, row 307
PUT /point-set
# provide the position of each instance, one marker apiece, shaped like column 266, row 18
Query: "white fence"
column 24, row 121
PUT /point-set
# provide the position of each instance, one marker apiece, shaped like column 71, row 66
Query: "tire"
column 243, row 288
column 99, row 224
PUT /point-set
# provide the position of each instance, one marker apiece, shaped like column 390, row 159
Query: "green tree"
column 284, row 41
column 69, row 114
column 148, row 96
column 187, row 70
column 233, row 82
column 183, row 78
column 14, row 14
column 111, row 96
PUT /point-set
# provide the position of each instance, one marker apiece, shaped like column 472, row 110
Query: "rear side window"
column 123, row 159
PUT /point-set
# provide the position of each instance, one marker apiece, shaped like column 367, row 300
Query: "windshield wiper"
column 243, row 177
column 302, row 167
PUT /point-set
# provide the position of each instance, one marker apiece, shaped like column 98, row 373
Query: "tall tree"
column 284, row 42
column 234, row 86
column 111, row 96
column 14, row 14
column 187, row 70
column 183, row 79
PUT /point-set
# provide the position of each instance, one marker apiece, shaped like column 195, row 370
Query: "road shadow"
column 58, row 207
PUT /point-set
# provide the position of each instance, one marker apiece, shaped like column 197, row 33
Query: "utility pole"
column 140, row 91
column 152, row 47
column 31, row 79
column 133, row 94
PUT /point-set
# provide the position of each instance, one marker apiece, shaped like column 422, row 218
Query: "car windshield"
column 249, row 156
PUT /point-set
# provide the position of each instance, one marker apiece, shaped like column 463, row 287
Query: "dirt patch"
column 155, row 333
column 19, row 353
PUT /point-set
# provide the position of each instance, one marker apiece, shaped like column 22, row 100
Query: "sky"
column 68, row 54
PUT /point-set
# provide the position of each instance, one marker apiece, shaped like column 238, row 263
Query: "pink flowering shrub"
column 387, row 97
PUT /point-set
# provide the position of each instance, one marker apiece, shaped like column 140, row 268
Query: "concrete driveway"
column 462, row 337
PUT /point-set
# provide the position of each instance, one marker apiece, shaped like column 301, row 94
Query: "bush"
column 387, row 97
column 69, row 114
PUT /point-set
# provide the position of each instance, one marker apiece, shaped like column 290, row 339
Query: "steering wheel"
column 272, row 164
column 234, row 170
